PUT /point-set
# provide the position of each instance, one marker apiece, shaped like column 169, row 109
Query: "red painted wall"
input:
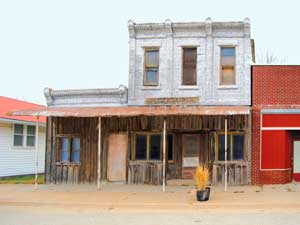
column 273, row 87
column 275, row 149
column 281, row 120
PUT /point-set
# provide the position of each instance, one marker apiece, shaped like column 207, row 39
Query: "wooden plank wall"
column 145, row 172
column 237, row 173
column 87, row 129
column 206, row 126
column 179, row 123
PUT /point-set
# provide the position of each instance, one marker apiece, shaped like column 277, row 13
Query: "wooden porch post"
column 99, row 154
column 164, row 156
column 36, row 152
column 225, row 154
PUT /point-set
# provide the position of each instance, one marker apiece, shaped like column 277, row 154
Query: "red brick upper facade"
column 275, row 85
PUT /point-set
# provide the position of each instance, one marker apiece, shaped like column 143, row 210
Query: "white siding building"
column 18, row 141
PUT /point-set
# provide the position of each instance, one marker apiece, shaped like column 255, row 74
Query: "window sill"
column 227, row 87
column 23, row 148
column 146, row 161
column 150, row 87
column 241, row 161
column 188, row 87
column 68, row 163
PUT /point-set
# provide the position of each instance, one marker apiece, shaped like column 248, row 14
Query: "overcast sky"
column 84, row 44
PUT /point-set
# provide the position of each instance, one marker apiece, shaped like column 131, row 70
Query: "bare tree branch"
column 269, row 57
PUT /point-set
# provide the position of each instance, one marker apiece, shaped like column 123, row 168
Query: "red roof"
column 10, row 104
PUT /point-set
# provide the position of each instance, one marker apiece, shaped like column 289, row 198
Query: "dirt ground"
column 129, row 204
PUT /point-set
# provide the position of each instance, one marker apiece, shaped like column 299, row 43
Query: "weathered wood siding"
column 206, row 126
column 145, row 172
column 236, row 175
column 67, row 173
column 86, row 128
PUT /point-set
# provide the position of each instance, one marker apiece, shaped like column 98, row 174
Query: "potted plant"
column 202, row 177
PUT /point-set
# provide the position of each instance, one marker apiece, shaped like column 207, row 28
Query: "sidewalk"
column 119, row 196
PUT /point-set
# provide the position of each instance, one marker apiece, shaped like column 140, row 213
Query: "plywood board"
column 117, row 150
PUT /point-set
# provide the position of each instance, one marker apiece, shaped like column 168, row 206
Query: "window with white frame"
column 24, row 135
column 228, row 70
column 151, row 66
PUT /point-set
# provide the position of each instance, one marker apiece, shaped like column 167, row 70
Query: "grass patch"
column 25, row 179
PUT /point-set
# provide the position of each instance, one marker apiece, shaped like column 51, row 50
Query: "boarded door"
column 296, row 169
column 117, row 149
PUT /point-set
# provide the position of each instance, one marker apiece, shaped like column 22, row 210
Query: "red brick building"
column 275, row 124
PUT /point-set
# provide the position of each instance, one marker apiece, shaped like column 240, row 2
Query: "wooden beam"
column 164, row 156
column 36, row 153
column 225, row 155
column 48, row 150
column 99, row 155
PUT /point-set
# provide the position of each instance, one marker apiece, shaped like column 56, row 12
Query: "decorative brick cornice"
column 131, row 29
column 86, row 97
column 168, row 27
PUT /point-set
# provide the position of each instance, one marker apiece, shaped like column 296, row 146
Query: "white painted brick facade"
column 208, row 36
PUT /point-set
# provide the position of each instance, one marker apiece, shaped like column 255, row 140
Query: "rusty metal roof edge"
column 133, row 111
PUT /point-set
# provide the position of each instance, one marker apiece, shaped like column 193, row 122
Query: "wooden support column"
column 225, row 155
column 99, row 155
column 164, row 156
column 36, row 153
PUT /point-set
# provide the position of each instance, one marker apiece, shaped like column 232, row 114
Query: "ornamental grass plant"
column 202, row 176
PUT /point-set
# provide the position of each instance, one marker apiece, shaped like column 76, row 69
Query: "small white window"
column 24, row 136
column 18, row 135
column 30, row 138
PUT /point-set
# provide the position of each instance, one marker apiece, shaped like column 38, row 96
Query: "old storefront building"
column 189, row 83
column 276, row 124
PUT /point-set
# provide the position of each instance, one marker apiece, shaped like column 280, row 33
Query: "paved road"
column 18, row 215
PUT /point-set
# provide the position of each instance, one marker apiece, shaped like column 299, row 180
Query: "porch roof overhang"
column 127, row 111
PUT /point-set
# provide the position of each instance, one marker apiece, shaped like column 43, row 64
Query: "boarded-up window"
column 235, row 146
column 191, row 143
column 189, row 65
column 228, row 75
column 151, row 65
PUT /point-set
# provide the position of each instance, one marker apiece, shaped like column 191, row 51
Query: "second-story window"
column 228, row 76
column 189, row 66
column 151, row 66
